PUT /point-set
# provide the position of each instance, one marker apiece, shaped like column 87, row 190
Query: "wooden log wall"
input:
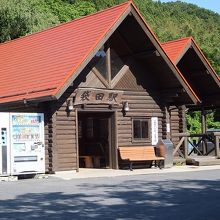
column 178, row 122
column 141, row 105
column 63, row 135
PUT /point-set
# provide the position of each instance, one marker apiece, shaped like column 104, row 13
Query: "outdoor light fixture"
column 25, row 102
column 70, row 105
column 125, row 107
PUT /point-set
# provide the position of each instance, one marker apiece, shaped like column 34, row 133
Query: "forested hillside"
column 168, row 20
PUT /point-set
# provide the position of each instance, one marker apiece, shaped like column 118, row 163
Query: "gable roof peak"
column 186, row 39
column 123, row 4
column 42, row 64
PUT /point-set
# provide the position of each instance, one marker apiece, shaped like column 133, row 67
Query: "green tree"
column 20, row 17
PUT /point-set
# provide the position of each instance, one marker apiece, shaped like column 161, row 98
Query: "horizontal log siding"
column 141, row 105
column 64, row 130
column 48, row 132
column 177, row 124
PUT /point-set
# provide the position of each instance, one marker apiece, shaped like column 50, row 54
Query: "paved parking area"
column 153, row 196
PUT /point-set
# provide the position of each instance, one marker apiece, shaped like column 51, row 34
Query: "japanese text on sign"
column 91, row 96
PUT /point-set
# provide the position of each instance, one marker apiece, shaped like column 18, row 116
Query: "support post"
column 168, row 126
column 203, row 120
column 184, row 110
column 77, row 141
column 186, row 147
column 204, row 130
column 217, row 146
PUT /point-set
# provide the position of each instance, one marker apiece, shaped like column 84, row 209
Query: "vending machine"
column 4, row 144
column 25, row 143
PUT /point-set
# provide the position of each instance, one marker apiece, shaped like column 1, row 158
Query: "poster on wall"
column 26, row 128
column 154, row 130
column 27, row 142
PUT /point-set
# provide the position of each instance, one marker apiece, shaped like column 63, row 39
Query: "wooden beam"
column 146, row 53
column 178, row 146
column 185, row 147
column 204, row 129
column 217, row 140
column 203, row 121
column 100, row 77
column 54, row 144
column 108, row 63
column 120, row 74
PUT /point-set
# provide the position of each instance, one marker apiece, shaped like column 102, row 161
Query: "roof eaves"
column 174, row 68
column 184, row 50
column 205, row 62
column 28, row 100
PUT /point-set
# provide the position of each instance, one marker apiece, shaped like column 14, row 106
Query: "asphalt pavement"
column 158, row 196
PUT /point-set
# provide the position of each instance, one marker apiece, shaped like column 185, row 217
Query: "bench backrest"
column 137, row 153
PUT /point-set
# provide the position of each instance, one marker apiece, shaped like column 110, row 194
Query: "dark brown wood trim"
column 108, row 62
column 54, row 144
column 147, row 53
column 120, row 74
column 115, row 138
column 92, row 54
column 100, row 77
column 183, row 109
column 159, row 48
column 77, row 141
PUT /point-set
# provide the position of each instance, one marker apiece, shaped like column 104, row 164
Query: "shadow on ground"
column 127, row 200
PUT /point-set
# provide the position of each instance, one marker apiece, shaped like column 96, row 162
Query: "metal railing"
column 198, row 144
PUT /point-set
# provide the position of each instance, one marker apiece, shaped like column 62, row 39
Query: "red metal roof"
column 38, row 65
column 175, row 48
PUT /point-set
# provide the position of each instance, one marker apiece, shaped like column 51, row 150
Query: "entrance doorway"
column 96, row 135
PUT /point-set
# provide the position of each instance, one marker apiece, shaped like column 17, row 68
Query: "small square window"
column 140, row 129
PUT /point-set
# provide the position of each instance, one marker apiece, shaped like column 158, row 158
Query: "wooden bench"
column 139, row 154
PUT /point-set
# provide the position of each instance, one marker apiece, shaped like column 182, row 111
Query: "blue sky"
column 213, row 5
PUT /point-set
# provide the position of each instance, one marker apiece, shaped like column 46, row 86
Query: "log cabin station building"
column 105, row 81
